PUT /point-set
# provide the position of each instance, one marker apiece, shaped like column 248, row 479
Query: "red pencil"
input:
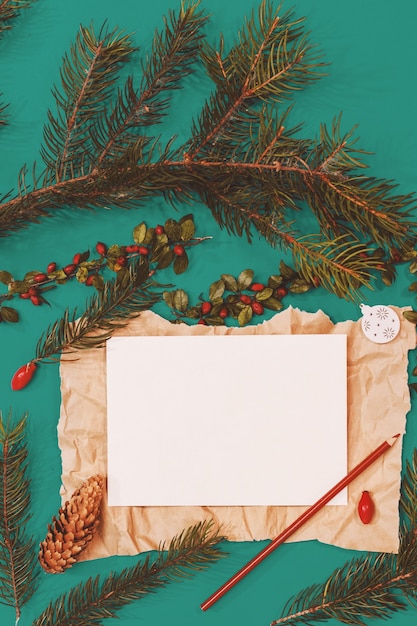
column 312, row 510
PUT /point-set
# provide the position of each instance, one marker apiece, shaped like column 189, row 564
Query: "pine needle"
column 18, row 573
column 10, row 10
column 90, row 602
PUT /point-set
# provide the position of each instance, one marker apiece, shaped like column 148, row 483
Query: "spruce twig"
column 18, row 574
column 94, row 600
column 10, row 10
column 373, row 586
column 118, row 302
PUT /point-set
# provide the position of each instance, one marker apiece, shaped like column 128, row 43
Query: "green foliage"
column 18, row 574
column 90, row 602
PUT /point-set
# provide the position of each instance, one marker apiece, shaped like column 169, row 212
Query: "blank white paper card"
column 226, row 420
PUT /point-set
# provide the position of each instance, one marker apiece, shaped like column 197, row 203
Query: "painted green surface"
column 372, row 48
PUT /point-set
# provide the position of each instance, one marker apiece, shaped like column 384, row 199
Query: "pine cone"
column 74, row 527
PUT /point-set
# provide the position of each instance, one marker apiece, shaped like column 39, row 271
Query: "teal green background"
column 372, row 48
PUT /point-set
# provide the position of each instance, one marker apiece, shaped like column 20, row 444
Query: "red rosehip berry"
column 101, row 248
column 257, row 287
column 245, row 299
column 366, row 508
column 40, row 278
column 257, row 307
column 203, row 322
column 36, row 300
column 223, row 313
column 316, row 281
column 77, row 258
column 206, row 308
column 159, row 229
column 89, row 280
column 33, row 291
column 281, row 292
column 69, row 269
column 23, row 376
column 363, row 255
column 132, row 248
column 121, row 260
column 179, row 250
column 24, row 296
column 51, row 267
column 143, row 250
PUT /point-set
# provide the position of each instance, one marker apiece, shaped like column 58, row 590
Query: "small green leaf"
column 244, row 279
column 9, row 314
column 273, row 304
column 165, row 259
column 287, row 272
column 216, row 289
column 414, row 372
column 275, row 281
column 245, row 315
column 413, row 267
column 168, row 297
column 172, row 229
column 149, row 237
column 180, row 299
column 18, row 286
column 230, row 282
column 299, row 285
column 412, row 287
column 187, row 229
column 388, row 275
column 264, row 294
column 81, row 274
column 31, row 274
column 413, row 386
column 5, row 277
column 180, row 263
column 411, row 316
column 98, row 282
column 214, row 320
column 84, row 256
column 59, row 276
column 139, row 233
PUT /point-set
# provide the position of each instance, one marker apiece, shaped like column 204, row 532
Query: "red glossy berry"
column 35, row 300
column 366, row 507
column 257, row 307
column 363, row 255
column 23, row 376
column 77, row 258
column 206, row 308
column 69, row 269
column 203, row 322
column 223, row 312
column 33, row 291
column 281, row 292
column 101, row 248
column 121, row 260
column 257, row 287
column 143, row 250
column 24, row 296
column 89, row 281
column 40, row 278
column 179, row 250
column 245, row 299
column 316, row 281
column 159, row 229
column 132, row 248
column 51, row 267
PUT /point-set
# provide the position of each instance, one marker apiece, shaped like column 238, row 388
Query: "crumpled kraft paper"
column 378, row 401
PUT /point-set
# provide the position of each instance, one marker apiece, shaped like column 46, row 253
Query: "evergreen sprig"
column 10, row 10
column 18, row 574
column 254, row 174
column 94, row 600
column 372, row 586
column 111, row 308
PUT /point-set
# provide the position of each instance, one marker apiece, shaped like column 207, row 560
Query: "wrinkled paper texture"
column 378, row 402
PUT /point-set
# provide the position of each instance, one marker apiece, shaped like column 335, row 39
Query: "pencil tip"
column 393, row 439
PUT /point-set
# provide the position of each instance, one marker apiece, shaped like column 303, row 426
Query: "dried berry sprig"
column 239, row 298
column 160, row 246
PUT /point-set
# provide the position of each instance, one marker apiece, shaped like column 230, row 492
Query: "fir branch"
column 174, row 52
column 94, row 600
column 120, row 300
column 18, row 575
column 88, row 74
column 373, row 586
column 10, row 10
